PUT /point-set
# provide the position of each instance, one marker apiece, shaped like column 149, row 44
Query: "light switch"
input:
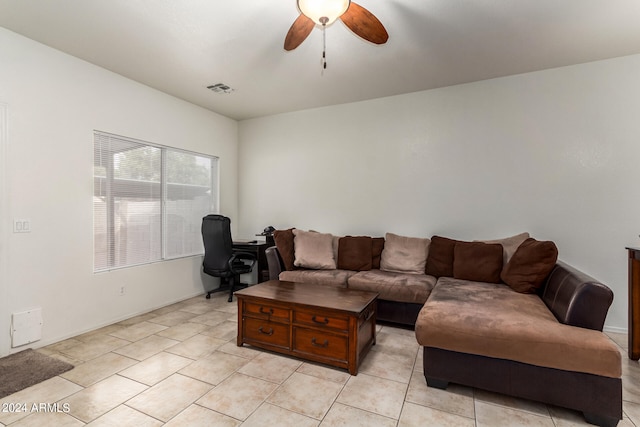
column 22, row 226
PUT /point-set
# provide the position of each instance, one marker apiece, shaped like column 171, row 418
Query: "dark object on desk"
column 220, row 258
column 257, row 248
column 634, row 303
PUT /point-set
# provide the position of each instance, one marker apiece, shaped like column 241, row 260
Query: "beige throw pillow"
column 404, row 254
column 313, row 250
column 509, row 245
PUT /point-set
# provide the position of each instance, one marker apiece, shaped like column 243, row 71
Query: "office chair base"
column 226, row 288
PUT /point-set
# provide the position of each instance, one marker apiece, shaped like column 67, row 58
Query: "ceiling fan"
column 324, row 12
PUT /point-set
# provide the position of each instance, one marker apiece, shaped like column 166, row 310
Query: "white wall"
column 55, row 102
column 554, row 153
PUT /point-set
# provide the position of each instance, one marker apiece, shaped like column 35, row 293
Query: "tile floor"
column 180, row 366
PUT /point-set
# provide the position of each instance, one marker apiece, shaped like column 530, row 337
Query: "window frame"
column 213, row 202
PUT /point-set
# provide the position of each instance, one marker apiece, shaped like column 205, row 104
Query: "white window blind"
column 148, row 201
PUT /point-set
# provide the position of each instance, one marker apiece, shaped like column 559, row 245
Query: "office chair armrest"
column 241, row 256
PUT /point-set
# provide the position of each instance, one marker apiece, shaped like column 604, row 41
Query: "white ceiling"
column 182, row 46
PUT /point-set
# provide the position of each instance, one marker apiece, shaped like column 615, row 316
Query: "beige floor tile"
column 138, row 331
column 324, row 372
column 238, row 396
column 197, row 416
column 271, row 367
column 456, row 399
column 198, row 307
column 270, row 415
column 373, row 394
column 346, row 416
column 396, row 367
column 632, row 410
column 57, row 419
column 136, row 319
column 563, row 417
column 49, row 391
column 170, row 308
column 125, row 416
column 419, row 365
column 102, row 397
column 99, row 345
column 225, row 331
column 98, row 369
column 417, row 415
column 403, row 345
column 536, row 408
column 215, row 368
column 397, row 330
column 146, row 347
column 211, row 318
column 490, row 415
column 306, row 395
column 197, row 346
column 620, row 339
column 245, row 351
column 106, row 330
column 156, row 368
column 173, row 318
column 183, row 331
column 169, row 397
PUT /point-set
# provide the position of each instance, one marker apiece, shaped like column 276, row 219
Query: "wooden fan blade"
column 365, row 24
column 298, row 32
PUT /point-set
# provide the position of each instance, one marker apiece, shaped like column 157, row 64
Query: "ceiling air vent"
column 220, row 88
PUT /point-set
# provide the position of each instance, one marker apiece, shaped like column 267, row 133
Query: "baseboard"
column 615, row 329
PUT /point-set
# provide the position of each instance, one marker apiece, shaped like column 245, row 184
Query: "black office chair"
column 220, row 260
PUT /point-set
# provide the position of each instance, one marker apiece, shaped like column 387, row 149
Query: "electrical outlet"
column 22, row 225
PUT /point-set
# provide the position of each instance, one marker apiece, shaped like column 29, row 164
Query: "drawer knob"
column 263, row 311
column 323, row 345
column 269, row 332
column 325, row 321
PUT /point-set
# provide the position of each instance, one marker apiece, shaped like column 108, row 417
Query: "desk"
column 256, row 248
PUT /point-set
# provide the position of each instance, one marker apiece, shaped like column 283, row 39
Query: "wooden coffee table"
column 336, row 326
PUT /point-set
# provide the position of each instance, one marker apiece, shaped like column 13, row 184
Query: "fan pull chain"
column 324, row 21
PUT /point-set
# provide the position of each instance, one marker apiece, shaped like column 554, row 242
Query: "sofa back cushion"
column 284, row 243
column 404, row 254
column 440, row 259
column 377, row 245
column 477, row 261
column 509, row 245
column 314, row 250
column 530, row 265
column 355, row 253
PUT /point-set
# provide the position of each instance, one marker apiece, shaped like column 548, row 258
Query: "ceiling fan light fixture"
column 323, row 12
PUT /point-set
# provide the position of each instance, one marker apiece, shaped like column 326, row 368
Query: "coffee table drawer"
column 314, row 319
column 319, row 343
column 266, row 311
column 266, row 332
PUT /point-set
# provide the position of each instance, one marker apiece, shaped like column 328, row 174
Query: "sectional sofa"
column 502, row 315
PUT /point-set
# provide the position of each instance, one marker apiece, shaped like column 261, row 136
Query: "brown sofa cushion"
column 398, row 287
column 376, row 251
column 440, row 259
column 355, row 253
column 477, row 261
column 284, row 244
column 530, row 265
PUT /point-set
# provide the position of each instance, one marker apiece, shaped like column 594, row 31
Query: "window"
column 148, row 201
